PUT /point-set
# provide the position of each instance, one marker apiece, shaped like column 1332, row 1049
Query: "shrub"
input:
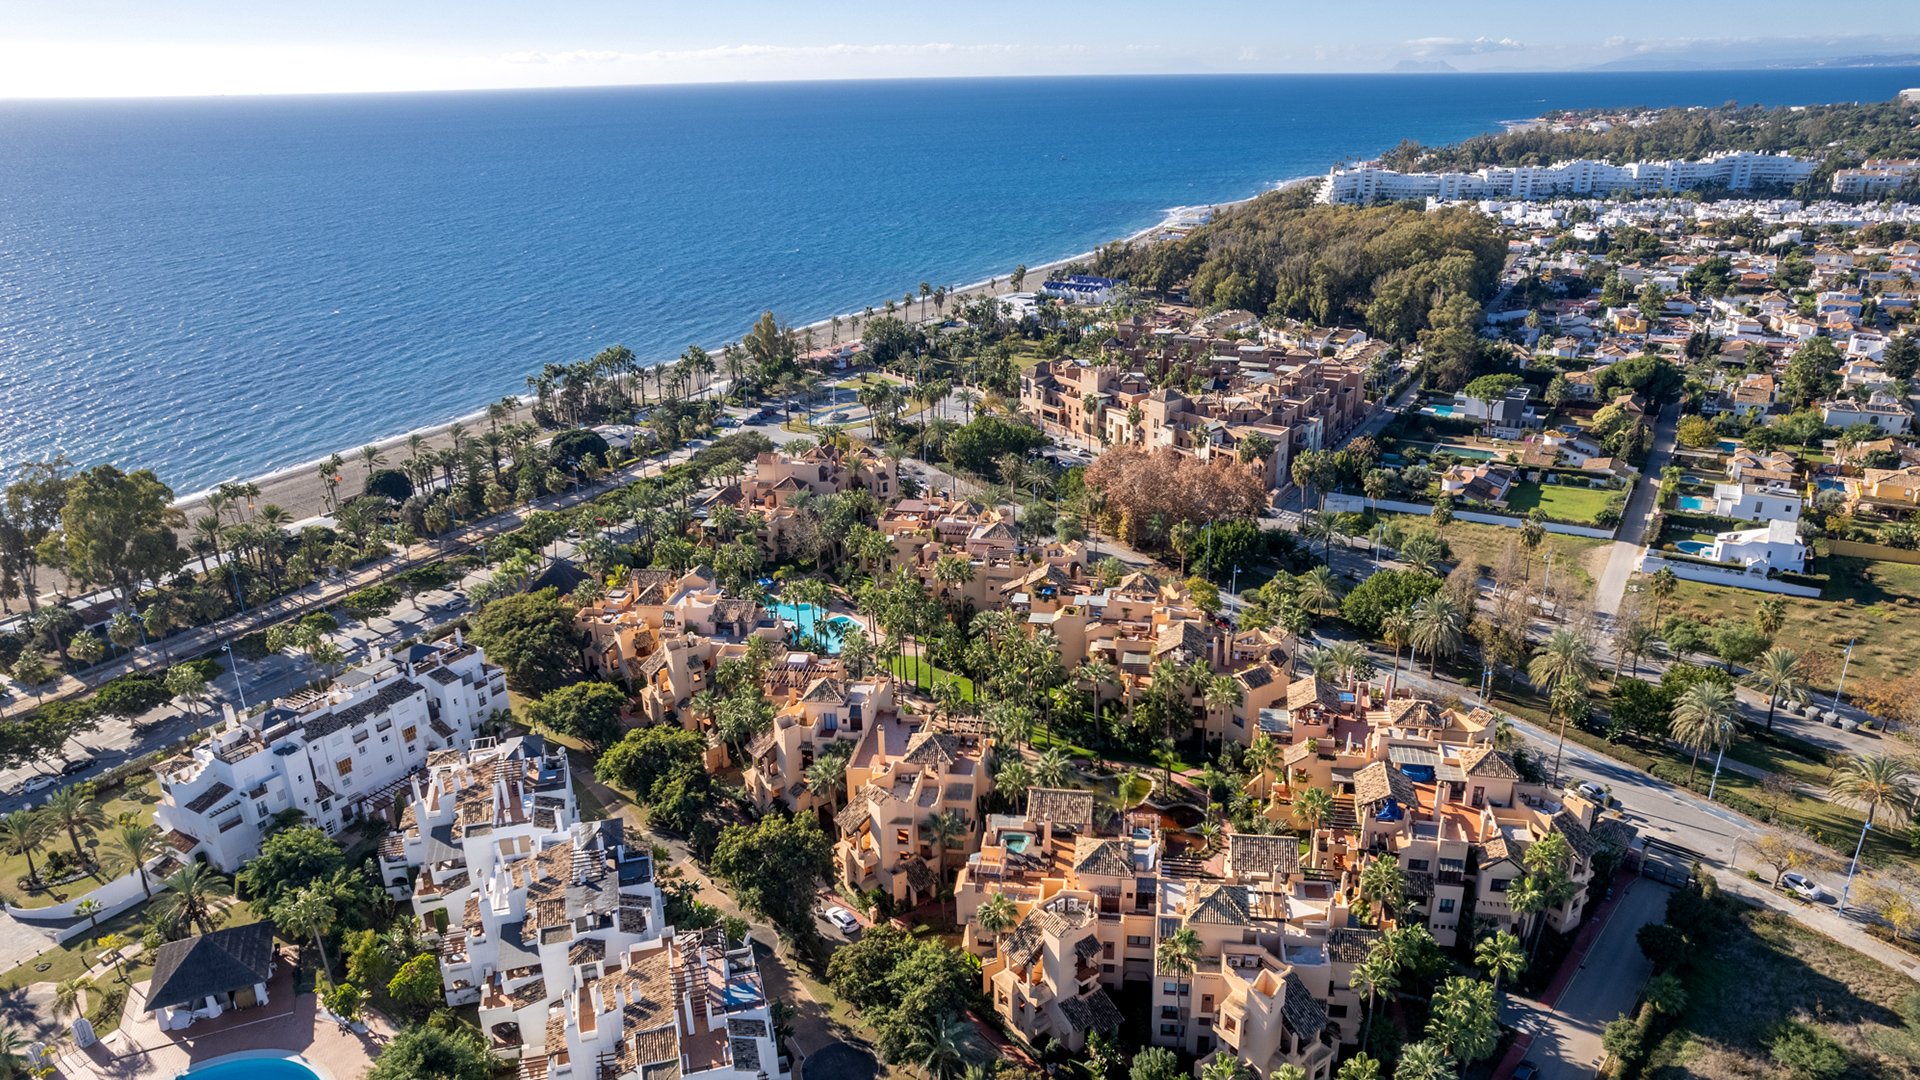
column 1807, row 1054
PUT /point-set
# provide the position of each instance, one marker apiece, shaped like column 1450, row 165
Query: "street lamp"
column 1854, row 866
column 234, row 664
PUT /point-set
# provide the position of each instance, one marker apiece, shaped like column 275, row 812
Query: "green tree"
column 1780, row 676
column 530, row 635
column 426, row 1052
column 1464, row 1021
column 130, row 845
column 417, row 983
column 589, row 711
column 1500, row 956
column 1703, row 720
column 774, row 866
column 193, row 895
column 1155, row 1063
column 1424, row 1061
column 290, row 860
column 72, row 811
column 309, row 911
column 119, row 528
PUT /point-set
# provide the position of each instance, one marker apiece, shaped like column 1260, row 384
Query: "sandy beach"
column 299, row 490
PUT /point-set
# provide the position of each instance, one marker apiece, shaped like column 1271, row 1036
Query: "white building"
column 1775, row 547
column 556, row 930
column 333, row 755
column 1753, row 501
column 1736, row 171
column 1881, row 409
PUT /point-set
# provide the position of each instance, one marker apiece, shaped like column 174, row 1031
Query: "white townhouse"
column 334, row 755
column 556, row 930
column 1881, row 409
column 1757, row 501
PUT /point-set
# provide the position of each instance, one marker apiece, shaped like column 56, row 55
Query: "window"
column 344, row 766
column 1417, row 864
column 389, row 759
column 408, row 733
column 1139, row 941
column 1499, row 885
column 1333, row 1010
column 1446, row 905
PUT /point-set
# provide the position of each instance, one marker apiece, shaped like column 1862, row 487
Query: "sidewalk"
column 324, row 593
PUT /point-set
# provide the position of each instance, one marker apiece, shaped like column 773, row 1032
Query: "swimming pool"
column 815, row 622
column 1016, row 842
column 255, row 1065
column 1697, row 548
column 1698, row 503
column 1440, row 410
column 1726, row 446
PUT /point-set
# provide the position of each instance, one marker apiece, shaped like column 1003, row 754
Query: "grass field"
column 926, row 676
column 1484, row 544
column 135, row 800
column 1766, row 970
column 1876, row 604
column 1562, row 502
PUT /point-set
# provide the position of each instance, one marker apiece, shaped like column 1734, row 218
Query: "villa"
column 1777, row 546
column 1755, row 500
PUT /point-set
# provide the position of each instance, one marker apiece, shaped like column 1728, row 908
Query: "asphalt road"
column 1566, row 1039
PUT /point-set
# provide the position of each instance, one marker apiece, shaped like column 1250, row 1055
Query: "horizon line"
column 829, row 80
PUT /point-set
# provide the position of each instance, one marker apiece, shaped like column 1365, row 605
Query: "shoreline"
column 298, row 489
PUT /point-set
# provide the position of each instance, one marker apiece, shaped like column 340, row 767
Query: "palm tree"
column 1424, row 1061
column 1361, row 1066
column 1396, row 629
column 193, row 892
column 1052, row 768
column 829, row 769
column 1778, row 675
column 71, row 810
column 997, row 915
column 69, row 998
column 1499, row 954
column 1177, row 954
column 372, row 457
column 1318, row 591
column 1383, row 885
column 941, row 1048
column 1563, row 665
column 1225, row 1066
column 1376, row 976
column 22, row 832
column 1703, row 720
column 1131, row 789
column 1311, row 808
column 1439, row 627
column 310, row 910
column 1872, row 781
column 940, row 831
column 12, row 1061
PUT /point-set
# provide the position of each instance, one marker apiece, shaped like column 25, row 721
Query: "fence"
column 1878, row 552
column 114, row 897
column 1344, row 503
column 1651, row 562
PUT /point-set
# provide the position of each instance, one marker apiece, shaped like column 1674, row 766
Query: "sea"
column 218, row 288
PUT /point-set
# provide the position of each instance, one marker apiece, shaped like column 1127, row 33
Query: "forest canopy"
column 1396, row 270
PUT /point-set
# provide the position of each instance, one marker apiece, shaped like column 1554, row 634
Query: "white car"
column 1590, row 790
column 38, row 782
column 843, row 919
column 1803, row 887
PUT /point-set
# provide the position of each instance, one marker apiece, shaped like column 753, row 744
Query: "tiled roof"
column 932, row 748
column 1106, row 858
column 204, row 801
column 1221, row 905
column 1095, row 1012
column 389, row 695
column 1258, row 853
column 1062, row 806
column 1302, row 1011
column 1488, row 762
column 207, row 965
column 1349, row 944
column 1379, row 782
column 1312, row 690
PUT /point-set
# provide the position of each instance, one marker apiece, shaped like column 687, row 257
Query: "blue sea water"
column 215, row 288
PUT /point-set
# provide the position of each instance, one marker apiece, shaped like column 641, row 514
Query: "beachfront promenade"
column 324, row 593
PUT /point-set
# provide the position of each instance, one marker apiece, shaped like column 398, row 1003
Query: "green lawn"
column 926, row 676
column 1484, row 544
column 135, row 801
column 1561, row 502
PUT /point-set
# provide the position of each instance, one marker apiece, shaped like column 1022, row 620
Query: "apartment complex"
column 1292, row 400
column 334, row 755
column 1277, row 919
column 663, row 633
column 913, row 812
column 555, row 930
column 1735, row 171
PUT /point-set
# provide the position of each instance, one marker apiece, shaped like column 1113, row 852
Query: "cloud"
column 782, row 53
column 1450, row 46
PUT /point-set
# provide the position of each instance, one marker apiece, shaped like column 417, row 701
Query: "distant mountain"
column 1421, row 67
column 1690, row 59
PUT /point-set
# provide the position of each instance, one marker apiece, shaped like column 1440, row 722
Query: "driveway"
column 1623, row 558
column 1566, row 1037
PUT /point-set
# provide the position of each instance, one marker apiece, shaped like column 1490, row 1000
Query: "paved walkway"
column 1623, row 557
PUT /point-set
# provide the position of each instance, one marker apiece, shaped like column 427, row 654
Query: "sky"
column 140, row 48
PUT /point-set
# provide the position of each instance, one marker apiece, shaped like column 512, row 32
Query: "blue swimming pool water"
column 1695, row 502
column 1697, row 548
column 1442, row 410
column 807, row 620
column 1727, row 446
column 254, row 1068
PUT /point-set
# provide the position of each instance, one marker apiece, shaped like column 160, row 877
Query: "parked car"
column 38, row 782
column 843, row 920
column 78, row 765
column 1803, row 887
column 1590, row 790
column 1526, row 1070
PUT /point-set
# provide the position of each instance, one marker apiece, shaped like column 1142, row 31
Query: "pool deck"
column 289, row 1022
